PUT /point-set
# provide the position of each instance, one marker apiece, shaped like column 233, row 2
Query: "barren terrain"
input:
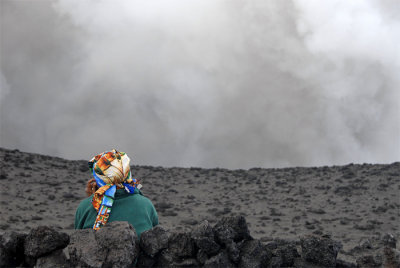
column 351, row 203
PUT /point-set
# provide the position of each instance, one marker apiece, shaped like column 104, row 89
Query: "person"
column 114, row 195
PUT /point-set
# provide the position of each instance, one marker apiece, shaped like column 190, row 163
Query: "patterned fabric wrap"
column 111, row 171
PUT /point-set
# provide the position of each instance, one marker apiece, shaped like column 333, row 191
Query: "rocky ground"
column 353, row 204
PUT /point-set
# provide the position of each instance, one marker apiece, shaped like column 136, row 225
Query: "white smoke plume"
column 234, row 84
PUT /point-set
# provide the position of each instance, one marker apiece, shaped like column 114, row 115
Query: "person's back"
column 133, row 208
column 126, row 201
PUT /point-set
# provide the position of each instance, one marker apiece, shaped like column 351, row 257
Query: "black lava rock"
column 43, row 240
column 55, row 259
column 254, row 254
column 145, row 261
column 201, row 256
column 190, row 262
column 114, row 245
column 345, row 264
column 181, row 245
column 276, row 262
column 320, row 250
column 203, row 236
column 369, row 261
column 121, row 241
column 284, row 250
column 237, row 224
column 84, row 250
column 154, row 240
column 300, row 263
column 167, row 259
column 391, row 257
column 11, row 249
column 389, row 241
column 220, row 260
column 233, row 250
column 224, row 234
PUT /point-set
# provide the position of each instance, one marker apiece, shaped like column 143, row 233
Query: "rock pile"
column 226, row 244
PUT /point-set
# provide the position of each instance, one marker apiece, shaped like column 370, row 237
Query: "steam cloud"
column 234, row 84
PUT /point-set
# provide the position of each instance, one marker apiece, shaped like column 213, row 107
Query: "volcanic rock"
column 168, row 259
column 114, row 245
column 233, row 250
column 391, row 257
column 154, row 240
column 181, row 245
column 43, row 240
column 389, row 241
column 165, row 259
column 345, row 264
column 237, row 224
column 145, row 261
column 83, row 249
column 283, row 252
column 201, row 256
column 203, row 236
column 369, row 261
column 220, row 260
column 121, row 241
column 320, row 250
column 11, row 249
column 55, row 259
column 254, row 254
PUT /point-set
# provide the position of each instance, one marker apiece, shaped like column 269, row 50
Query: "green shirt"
column 133, row 208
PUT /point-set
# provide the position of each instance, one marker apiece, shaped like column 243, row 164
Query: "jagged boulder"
column 181, row 252
column 203, row 236
column 370, row 261
column 320, row 250
column 253, row 254
column 84, row 250
column 232, row 228
column 201, row 256
column 391, row 257
column 233, row 250
column 121, row 241
column 145, row 261
column 224, row 234
column 283, row 252
column 154, row 240
column 114, row 245
column 181, row 245
column 11, row 249
column 165, row 259
column 230, row 233
column 43, row 240
column 220, row 260
column 55, row 259
column 345, row 264
column 168, row 259
column 389, row 240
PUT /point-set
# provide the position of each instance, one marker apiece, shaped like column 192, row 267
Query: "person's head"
column 110, row 171
column 108, row 168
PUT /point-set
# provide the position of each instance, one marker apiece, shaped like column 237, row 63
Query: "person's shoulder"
column 85, row 203
column 142, row 198
column 84, row 208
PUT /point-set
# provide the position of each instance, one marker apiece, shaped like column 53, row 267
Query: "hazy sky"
column 234, row 84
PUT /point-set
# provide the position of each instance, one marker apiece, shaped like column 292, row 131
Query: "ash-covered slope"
column 349, row 202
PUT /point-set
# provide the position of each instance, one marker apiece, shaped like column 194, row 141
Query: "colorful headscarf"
column 110, row 170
